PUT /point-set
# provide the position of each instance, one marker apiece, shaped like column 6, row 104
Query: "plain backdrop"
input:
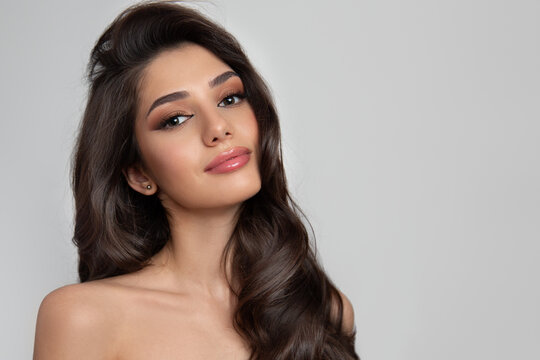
column 411, row 140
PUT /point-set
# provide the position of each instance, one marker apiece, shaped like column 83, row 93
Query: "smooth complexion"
column 191, row 114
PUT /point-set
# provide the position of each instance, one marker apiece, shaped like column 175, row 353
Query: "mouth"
column 229, row 160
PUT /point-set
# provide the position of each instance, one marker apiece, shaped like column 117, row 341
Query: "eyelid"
column 239, row 94
column 164, row 123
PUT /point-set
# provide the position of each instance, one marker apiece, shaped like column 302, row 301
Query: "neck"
column 193, row 256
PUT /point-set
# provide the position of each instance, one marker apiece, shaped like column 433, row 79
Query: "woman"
column 189, row 244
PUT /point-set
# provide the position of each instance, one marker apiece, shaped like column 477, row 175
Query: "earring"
column 148, row 187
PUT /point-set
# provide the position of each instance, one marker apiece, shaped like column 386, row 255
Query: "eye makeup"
column 174, row 120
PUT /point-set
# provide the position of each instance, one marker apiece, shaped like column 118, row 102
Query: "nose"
column 216, row 127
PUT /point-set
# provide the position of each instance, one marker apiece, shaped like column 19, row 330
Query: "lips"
column 229, row 160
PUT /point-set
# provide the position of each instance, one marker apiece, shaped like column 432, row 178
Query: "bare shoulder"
column 75, row 322
column 347, row 314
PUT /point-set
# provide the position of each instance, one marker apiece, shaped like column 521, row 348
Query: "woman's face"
column 197, row 133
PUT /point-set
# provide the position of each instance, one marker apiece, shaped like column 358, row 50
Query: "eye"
column 231, row 100
column 174, row 121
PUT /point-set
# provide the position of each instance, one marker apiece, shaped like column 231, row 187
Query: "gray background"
column 410, row 133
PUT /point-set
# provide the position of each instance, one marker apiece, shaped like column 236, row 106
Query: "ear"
column 139, row 181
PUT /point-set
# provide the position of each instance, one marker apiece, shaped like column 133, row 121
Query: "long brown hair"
column 286, row 303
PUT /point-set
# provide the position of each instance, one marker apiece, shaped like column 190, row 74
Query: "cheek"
column 253, row 130
column 246, row 131
column 249, row 129
column 170, row 162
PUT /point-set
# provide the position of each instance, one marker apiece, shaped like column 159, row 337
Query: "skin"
column 181, row 306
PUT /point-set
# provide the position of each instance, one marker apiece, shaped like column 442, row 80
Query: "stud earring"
column 148, row 187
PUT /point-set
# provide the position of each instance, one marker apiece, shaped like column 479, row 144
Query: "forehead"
column 182, row 68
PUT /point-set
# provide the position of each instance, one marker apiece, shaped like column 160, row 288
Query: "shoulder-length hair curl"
column 286, row 304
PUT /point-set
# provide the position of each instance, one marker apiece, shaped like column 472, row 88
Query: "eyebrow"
column 178, row 95
column 220, row 79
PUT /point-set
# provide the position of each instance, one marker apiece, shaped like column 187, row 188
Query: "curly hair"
column 286, row 304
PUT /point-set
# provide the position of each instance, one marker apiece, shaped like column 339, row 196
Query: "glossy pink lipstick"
column 229, row 160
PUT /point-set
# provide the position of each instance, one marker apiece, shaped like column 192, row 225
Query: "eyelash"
column 239, row 95
column 167, row 123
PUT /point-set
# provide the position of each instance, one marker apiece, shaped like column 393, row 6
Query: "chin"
column 219, row 195
column 241, row 192
column 233, row 189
